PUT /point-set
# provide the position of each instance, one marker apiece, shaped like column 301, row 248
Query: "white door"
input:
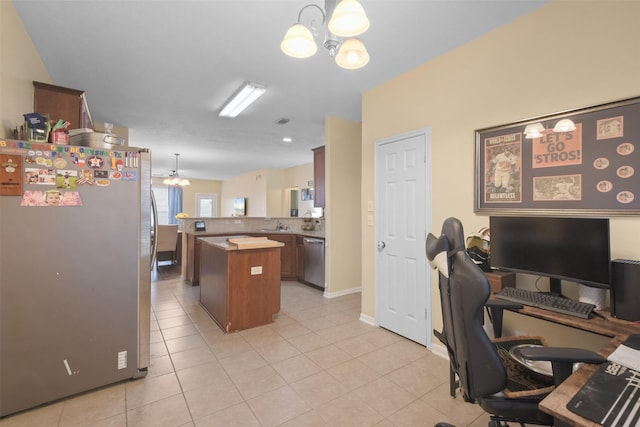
column 403, row 287
column 206, row 204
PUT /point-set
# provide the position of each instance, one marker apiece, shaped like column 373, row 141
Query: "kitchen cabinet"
column 193, row 257
column 287, row 255
column 319, row 200
column 62, row 103
column 299, row 258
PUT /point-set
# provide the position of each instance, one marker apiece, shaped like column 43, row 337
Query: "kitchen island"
column 240, row 280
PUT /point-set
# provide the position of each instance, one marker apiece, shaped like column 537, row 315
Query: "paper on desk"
column 628, row 353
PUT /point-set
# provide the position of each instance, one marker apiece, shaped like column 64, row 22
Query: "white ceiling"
column 164, row 68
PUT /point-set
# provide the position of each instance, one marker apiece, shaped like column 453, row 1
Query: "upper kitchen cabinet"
column 62, row 103
column 319, row 200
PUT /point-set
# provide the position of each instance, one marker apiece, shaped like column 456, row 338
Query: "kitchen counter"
column 193, row 241
column 317, row 234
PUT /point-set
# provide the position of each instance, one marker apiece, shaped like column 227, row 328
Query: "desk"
column 556, row 402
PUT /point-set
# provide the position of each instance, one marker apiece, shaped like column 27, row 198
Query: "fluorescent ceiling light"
column 244, row 97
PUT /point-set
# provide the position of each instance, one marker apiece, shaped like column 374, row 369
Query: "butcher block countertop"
column 235, row 243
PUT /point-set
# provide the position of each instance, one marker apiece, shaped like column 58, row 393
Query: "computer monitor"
column 561, row 248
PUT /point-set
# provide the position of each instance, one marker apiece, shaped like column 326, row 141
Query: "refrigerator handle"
column 154, row 249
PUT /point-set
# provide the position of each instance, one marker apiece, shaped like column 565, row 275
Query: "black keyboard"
column 546, row 301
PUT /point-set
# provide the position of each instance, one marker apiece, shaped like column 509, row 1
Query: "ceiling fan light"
column 564, row 125
column 352, row 55
column 298, row 42
column 174, row 179
column 348, row 19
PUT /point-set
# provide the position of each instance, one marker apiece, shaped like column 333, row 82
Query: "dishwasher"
column 314, row 261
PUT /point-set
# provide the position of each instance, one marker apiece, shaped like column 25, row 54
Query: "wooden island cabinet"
column 240, row 288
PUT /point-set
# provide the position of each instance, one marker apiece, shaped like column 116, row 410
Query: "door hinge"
column 425, row 314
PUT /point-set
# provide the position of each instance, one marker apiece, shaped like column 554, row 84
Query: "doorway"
column 403, row 194
column 206, row 204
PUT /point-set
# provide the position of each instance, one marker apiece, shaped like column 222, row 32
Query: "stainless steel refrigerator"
column 74, row 272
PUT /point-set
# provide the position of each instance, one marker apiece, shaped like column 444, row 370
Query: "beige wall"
column 298, row 177
column 20, row 65
column 342, row 182
column 199, row 186
column 563, row 56
column 253, row 186
column 264, row 190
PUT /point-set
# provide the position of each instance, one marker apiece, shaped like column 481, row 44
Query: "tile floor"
column 316, row 365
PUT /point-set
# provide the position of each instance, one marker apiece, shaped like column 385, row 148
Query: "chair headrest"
column 437, row 249
column 441, row 249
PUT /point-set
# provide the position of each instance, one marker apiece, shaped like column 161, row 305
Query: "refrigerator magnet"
column 129, row 176
column 95, row 162
column 10, row 175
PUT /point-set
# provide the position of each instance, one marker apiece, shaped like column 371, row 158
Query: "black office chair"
column 482, row 374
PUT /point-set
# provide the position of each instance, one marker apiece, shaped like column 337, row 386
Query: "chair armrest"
column 503, row 304
column 496, row 309
column 562, row 359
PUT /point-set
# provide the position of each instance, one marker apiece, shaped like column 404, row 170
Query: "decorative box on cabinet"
column 62, row 103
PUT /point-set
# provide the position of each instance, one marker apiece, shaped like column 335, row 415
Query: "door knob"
column 381, row 245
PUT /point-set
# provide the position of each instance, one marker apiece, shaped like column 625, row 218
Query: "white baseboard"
column 368, row 320
column 440, row 350
column 341, row 293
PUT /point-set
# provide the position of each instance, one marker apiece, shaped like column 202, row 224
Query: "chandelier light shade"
column 535, row 130
column 299, row 42
column 348, row 19
column 352, row 55
column 564, row 125
column 174, row 179
column 241, row 99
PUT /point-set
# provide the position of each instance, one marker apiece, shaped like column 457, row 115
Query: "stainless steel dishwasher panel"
column 314, row 261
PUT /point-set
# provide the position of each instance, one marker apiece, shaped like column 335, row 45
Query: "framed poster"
column 540, row 166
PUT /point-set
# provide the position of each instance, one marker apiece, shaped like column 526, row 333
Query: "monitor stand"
column 555, row 287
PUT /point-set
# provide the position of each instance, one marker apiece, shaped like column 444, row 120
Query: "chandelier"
column 174, row 178
column 348, row 20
